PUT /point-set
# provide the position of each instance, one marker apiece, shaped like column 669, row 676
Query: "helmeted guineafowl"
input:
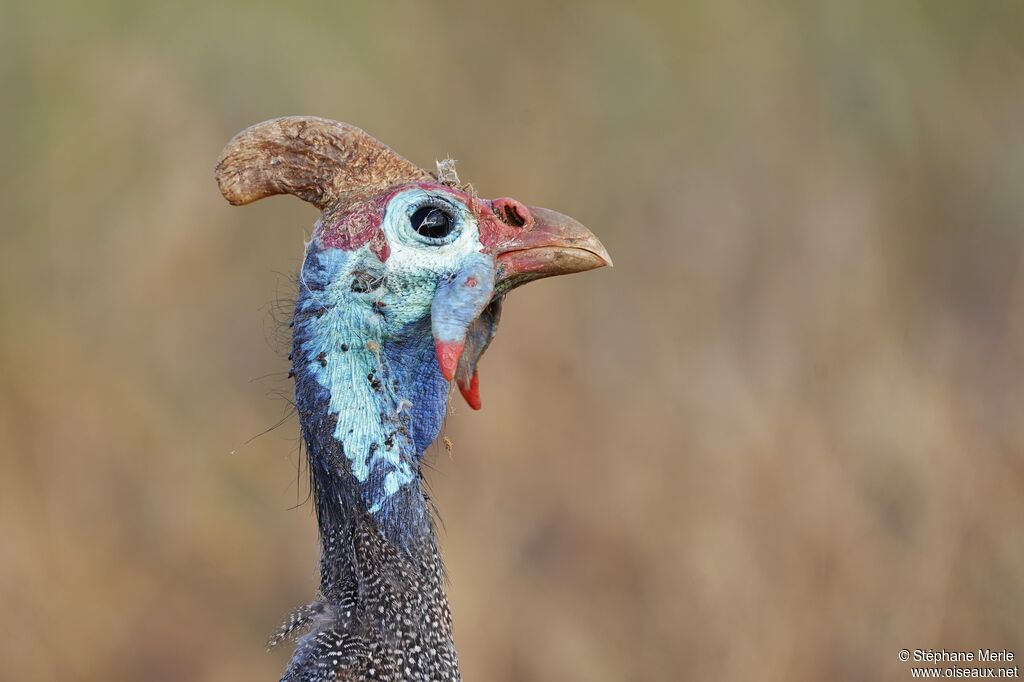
column 400, row 293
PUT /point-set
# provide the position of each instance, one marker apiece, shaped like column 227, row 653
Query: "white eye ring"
column 419, row 218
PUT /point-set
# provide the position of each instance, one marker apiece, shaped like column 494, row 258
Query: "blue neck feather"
column 369, row 393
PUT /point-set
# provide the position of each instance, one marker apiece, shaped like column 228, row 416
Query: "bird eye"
column 432, row 222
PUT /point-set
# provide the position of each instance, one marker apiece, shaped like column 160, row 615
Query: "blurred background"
column 780, row 440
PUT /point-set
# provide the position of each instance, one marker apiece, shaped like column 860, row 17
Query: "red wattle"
column 472, row 392
column 448, row 353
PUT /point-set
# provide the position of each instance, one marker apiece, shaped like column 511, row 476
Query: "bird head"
column 400, row 294
column 408, row 245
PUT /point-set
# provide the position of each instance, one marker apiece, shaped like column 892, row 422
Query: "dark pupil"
column 431, row 222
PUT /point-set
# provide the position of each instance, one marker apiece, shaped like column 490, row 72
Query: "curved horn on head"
column 318, row 160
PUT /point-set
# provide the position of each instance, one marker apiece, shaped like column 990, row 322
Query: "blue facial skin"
column 414, row 365
column 462, row 297
column 369, row 392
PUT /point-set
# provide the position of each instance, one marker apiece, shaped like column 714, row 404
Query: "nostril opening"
column 511, row 212
column 512, row 217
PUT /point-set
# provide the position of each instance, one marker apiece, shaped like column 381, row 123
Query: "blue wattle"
column 461, row 297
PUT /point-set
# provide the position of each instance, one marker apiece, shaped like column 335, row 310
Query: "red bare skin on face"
column 358, row 226
column 498, row 221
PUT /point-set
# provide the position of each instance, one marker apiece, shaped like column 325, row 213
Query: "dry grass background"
column 780, row 440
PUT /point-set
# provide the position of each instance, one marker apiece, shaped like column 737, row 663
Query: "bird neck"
column 370, row 399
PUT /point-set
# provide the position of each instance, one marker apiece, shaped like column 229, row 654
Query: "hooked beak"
column 555, row 244
column 548, row 244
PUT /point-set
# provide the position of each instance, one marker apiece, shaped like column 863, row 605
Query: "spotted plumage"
column 381, row 613
column 400, row 294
